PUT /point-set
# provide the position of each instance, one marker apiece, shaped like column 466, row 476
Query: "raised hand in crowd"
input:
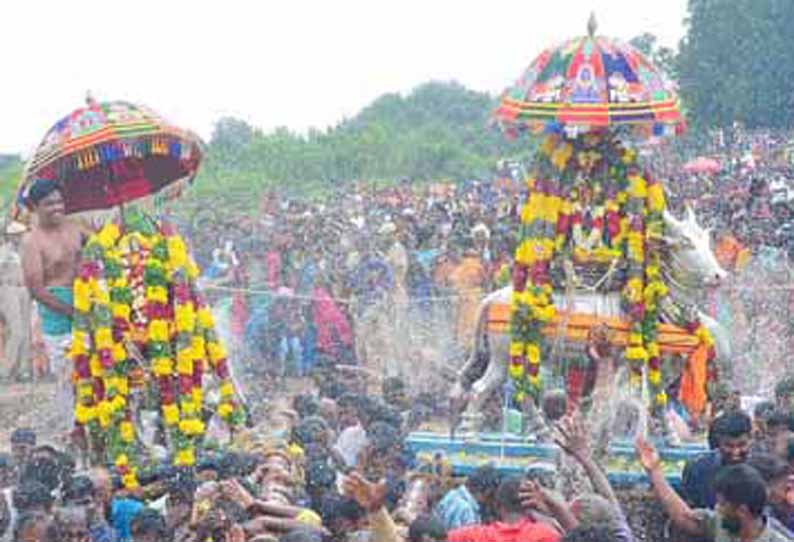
column 370, row 496
column 535, row 497
column 572, row 435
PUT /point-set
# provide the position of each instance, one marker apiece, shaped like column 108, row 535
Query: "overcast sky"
column 296, row 63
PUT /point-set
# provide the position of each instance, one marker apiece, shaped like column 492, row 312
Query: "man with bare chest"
column 50, row 256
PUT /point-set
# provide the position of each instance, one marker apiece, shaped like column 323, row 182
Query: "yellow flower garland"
column 623, row 226
column 105, row 309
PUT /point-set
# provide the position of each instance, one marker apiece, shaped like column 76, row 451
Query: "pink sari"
column 331, row 324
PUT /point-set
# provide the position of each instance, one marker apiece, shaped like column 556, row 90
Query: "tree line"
column 438, row 131
column 733, row 65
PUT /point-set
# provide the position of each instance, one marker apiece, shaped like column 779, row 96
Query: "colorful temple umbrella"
column 107, row 154
column 588, row 83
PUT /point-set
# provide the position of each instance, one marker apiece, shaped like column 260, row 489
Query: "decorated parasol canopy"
column 110, row 153
column 590, row 83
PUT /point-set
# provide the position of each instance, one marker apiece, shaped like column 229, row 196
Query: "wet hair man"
column 50, row 256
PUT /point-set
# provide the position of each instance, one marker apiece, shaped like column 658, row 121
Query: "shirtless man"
column 50, row 255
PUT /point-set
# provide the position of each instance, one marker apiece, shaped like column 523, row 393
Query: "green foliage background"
column 10, row 173
column 438, row 131
column 735, row 63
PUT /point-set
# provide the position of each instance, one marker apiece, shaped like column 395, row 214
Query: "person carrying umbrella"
column 50, row 254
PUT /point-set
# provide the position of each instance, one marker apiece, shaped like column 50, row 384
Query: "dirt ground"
column 28, row 405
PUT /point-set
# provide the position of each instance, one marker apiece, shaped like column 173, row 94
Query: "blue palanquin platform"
column 513, row 454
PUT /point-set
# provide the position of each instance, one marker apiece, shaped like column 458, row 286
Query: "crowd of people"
column 368, row 275
column 344, row 307
column 332, row 465
column 359, row 278
column 374, row 276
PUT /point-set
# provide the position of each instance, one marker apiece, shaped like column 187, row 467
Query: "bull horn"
column 690, row 215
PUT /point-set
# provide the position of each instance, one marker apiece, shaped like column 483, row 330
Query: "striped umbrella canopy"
column 591, row 83
column 110, row 153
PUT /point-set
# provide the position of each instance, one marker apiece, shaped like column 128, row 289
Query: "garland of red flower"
column 552, row 223
column 136, row 285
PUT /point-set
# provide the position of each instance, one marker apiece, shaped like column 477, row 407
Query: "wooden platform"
column 672, row 339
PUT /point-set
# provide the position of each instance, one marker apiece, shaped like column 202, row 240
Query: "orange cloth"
column 469, row 274
column 727, row 250
column 743, row 258
column 671, row 339
column 693, row 382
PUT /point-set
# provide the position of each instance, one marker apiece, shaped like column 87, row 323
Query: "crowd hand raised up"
column 270, row 517
column 370, row 496
column 232, row 490
column 679, row 511
column 533, row 496
column 202, row 501
column 648, row 456
column 235, row 534
column 571, row 435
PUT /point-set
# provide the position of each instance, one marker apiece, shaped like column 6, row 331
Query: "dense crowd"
column 298, row 283
column 304, row 279
column 356, row 295
column 307, row 283
column 333, row 465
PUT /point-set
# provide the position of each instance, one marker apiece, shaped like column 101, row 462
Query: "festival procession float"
column 602, row 270
column 144, row 347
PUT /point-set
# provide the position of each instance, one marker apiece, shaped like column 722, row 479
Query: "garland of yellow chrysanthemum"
column 532, row 306
column 102, row 317
column 632, row 214
column 171, row 319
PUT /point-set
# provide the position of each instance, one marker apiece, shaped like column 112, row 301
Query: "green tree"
column 438, row 131
column 663, row 57
column 10, row 173
column 735, row 63
column 230, row 132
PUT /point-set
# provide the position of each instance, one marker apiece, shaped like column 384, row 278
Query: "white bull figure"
column 688, row 267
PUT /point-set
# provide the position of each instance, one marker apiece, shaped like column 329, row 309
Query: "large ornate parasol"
column 591, row 215
column 591, row 82
column 110, row 153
